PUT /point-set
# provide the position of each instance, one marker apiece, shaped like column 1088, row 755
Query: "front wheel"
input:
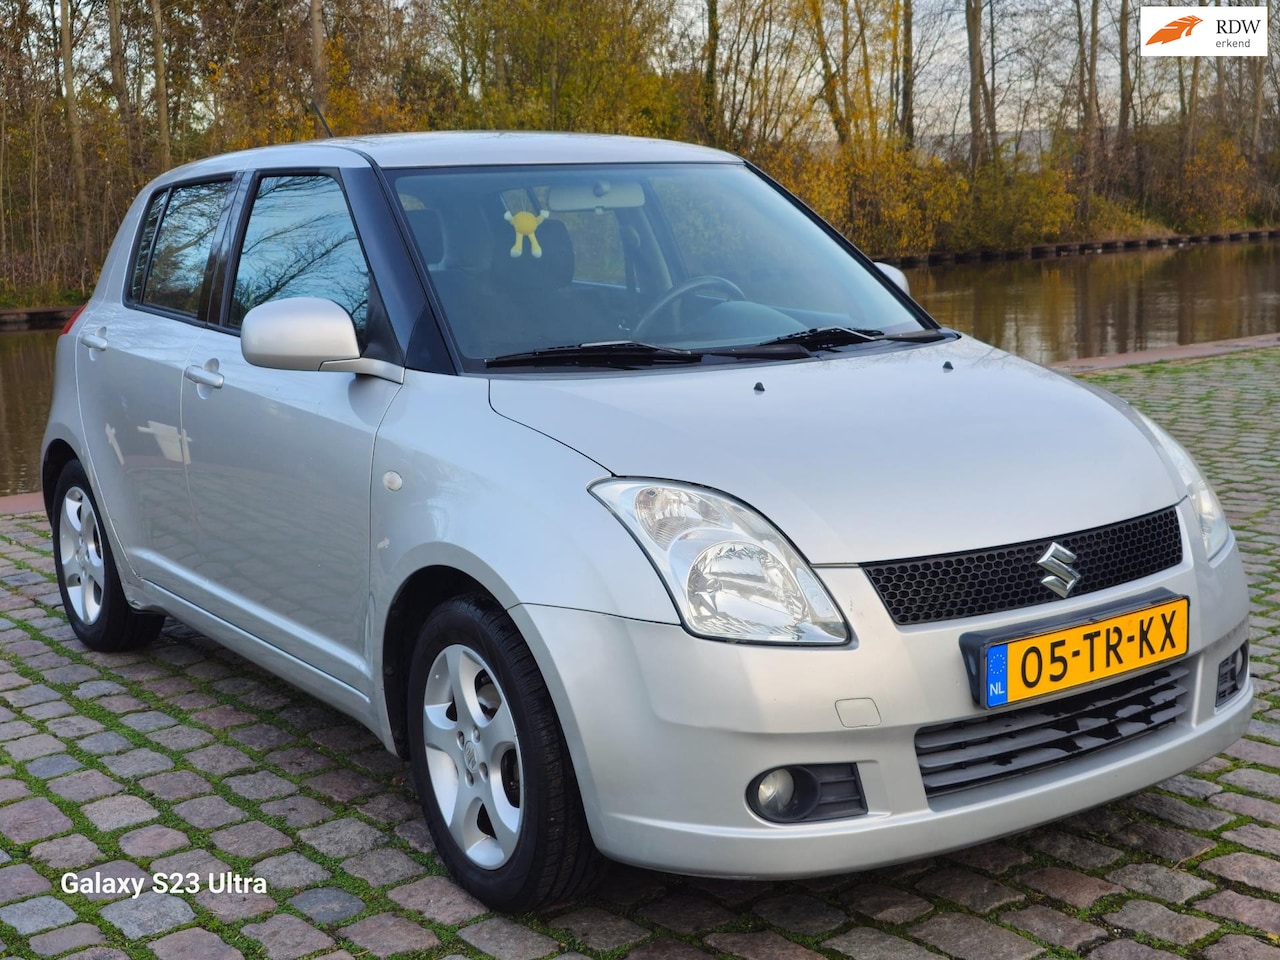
column 87, row 577
column 490, row 763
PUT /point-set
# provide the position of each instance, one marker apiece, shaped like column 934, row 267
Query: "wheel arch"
column 56, row 457
column 59, row 452
column 422, row 591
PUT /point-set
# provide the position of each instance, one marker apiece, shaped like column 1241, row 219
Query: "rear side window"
column 301, row 242
column 176, row 254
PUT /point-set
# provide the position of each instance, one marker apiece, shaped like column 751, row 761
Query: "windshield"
column 683, row 256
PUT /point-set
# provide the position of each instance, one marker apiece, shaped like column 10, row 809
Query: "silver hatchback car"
column 635, row 507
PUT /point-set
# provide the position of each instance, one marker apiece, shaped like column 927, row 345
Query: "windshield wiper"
column 824, row 338
column 828, row 338
column 921, row 336
column 627, row 353
column 609, row 353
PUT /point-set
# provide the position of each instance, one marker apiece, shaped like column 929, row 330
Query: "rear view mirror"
column 601, row 195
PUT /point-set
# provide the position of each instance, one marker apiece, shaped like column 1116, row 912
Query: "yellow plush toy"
column 526, row 225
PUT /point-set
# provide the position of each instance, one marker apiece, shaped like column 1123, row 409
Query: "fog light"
column 807, row 791
column 774, row 793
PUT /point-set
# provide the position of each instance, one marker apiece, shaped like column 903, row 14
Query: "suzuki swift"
column 640, row 511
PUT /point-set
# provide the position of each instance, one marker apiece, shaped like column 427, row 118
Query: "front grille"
column 971, row 584
column 970, row 753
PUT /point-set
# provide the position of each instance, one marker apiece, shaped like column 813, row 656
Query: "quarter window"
column 137, row 285
column 180, row 251
column 300, row 242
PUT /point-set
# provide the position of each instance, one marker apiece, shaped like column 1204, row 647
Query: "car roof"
column 458, row 148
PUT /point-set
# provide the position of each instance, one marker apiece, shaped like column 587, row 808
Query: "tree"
column 764, row 81
column 711, row 116
column 73, row 127
column 119, row 80
column 982, row 133
column 162, row 84
column 908, row 82
column 1087, row 73
column 319, row 78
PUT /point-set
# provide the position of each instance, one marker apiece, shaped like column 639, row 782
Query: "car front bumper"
column 667, row 730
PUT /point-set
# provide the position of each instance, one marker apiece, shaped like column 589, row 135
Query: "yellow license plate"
column 1074, row 656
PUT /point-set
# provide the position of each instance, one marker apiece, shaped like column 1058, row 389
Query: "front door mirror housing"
column 298, row 333
column 308, row 333
column 897, row 276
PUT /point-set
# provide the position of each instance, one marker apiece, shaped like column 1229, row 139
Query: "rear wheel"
column 490, row 763
column 87, row 577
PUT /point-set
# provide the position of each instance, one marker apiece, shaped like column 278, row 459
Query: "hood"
column 875, row 457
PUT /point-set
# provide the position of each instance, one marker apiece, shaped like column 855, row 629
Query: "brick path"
column 186, row 758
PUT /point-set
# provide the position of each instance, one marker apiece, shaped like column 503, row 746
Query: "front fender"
column 457, row 485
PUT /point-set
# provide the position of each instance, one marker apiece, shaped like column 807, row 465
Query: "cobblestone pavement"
column 187, row 759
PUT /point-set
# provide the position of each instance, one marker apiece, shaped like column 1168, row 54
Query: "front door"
column 279, row 464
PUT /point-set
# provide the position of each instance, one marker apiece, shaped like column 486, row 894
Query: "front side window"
column 174, row 279
column 300, row 242
column 687, row 256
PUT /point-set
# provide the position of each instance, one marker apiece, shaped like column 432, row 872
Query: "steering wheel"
column 678, row 291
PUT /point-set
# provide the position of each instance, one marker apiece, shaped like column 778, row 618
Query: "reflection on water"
column 1044, row 310
column 1088, row 306
column 26, row 384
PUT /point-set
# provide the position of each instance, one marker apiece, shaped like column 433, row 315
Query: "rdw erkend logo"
column 1202, row 31
column 1175, row 30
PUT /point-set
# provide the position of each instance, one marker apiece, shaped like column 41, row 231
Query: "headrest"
column 425, row 225
column 527, row 273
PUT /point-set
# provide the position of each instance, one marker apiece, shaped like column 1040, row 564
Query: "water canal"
column 1044, row 310
column 1099, row 304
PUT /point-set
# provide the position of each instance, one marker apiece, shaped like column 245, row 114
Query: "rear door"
column 129, row 365
column 280, row 460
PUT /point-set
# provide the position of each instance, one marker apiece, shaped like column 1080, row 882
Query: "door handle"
column 94, row 341
column 207, row 378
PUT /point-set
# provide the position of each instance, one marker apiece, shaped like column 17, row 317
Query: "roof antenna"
column 323, row 122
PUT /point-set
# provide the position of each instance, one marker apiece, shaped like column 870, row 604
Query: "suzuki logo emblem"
column 1062, row 578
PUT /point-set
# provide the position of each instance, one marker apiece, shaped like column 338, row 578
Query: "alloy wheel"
column 473, row 756
column 80, row 550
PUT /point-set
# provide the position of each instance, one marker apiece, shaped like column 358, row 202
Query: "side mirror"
column 298, row 333
column 897, row 276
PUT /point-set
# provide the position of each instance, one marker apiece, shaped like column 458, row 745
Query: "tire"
column 87, row 577
column 515, row 836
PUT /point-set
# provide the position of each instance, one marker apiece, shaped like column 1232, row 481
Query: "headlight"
column 1213, row 523
column 732, row 574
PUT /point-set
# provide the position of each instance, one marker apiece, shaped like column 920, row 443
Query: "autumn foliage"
column 910, row 126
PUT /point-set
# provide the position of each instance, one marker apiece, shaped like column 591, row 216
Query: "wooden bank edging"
column 1048, row 251
column 16, row 319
